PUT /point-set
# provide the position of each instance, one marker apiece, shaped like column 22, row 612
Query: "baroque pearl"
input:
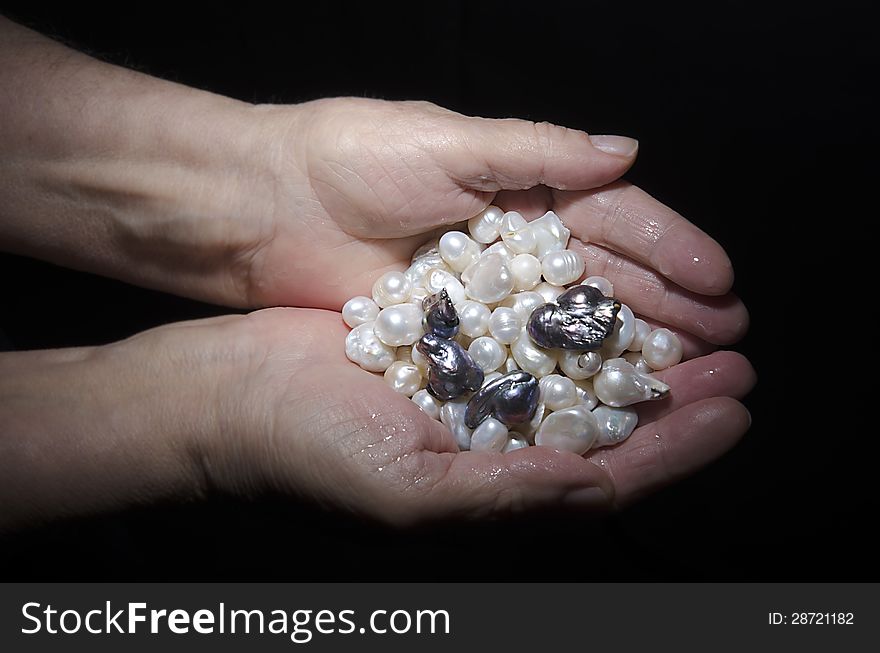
column 662, row 349
column 398, row 325
column 551, row 223
column 484, row 226
column 570, row 429
column 501, row 249
column 600, row 283
column 545, row 242
column 488, row 353
column 642, row 331
column 391, row 288
column 622, row 335
column 620, row 384
column 515, row 441
column 548, row 291
column 436, row 279
column 452, row 416
column 523, row 303
column 586, row 395
column 420, row 267
column 490, row 435
column 531, row 358
column 358, row 310
column 558, row 392
column 517, row 234
column 427, row 403
column 491, row 376
column 489, row 280
column 638, row 361
column 404, row 378
column 364, row 348
column 579, row 364
column 429, row 247
column 458, row 250
column 526, row 271
column 505, row 325
column 615, row 425
column 473, row 318
column 563, row 267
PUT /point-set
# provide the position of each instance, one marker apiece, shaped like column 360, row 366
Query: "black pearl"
column 511, row 399
column 581, row 319
column 441, row 318
column 451, row 370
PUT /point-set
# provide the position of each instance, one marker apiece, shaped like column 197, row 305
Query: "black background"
column 752, row 119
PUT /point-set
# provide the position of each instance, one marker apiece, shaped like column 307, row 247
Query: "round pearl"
column 473, row 318
column 622, row 335
column 391, row 288
column 505, row 325
column 400, row 324
column 601, row 283
column 358, row 310
column 484, row 226
column 620, row 384
column 642, row 331
column 662, row 349
column 489, row 280
column 570, row 429
column 452, row 416
column 516, row 233
column 424, row 400
column 364, row 348
column 515, row 441
column 458, row 250
column 490, row 435
column 436, row 279
column 404, row 378
column 615, row 425
column 638, row 361
column 526, row 271
column 579, row 364
column 548, row 291
column 560, row 268
column 488, row 353
column 523, row 303
column 586, row 395
column 557, row 392
column 531, row 358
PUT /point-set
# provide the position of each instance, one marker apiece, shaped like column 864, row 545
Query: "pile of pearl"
column 496, row 277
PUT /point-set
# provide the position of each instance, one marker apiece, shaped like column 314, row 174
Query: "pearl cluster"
column 496, row 276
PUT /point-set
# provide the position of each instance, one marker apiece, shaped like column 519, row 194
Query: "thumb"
column 511, row 154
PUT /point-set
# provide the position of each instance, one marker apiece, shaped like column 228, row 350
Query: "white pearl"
column 430, row 247
column 570, row 429
column 517, row 234
column 488, row 353
column 545, row 242
column 526, row 271
column 419, row 268
column 452, row 415
column 431, row 406
column 586, row 395
column 490, row 435
column 505, row 325
column 601, row 283
column 579, row 364
column 358, row 310
column 364, row 348
column 615, row 425
column 662, row 349
column 484, row 226
column 419, row 360
column 400, row 324
column 419, row 295
column 523, row 303
column 499, row 248
column 404, row 378
column 515, row 441
column 458, row 250
column 473, row 318
column 622, row 335
column 548, row 291
column 638, row 361
column 491, row 376
column 531, row 358
column 510, row 365
column 560, row 268
column 437, row 279
column 642, row 331
column 404, row 354
column 557, row 392
column 391, row 288
column 551, row 223
column 489, row 280
column 620, row 384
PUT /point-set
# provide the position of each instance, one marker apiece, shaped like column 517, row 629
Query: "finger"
column 722, row 374
column 721, row 320
column 629, row 221
column 531, row 203
column 673, row 447
column 477, row 484
column 519, row 154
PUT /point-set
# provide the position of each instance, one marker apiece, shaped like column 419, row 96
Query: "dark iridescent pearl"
column 451, row 370
column 581, row 318
column 511, row 399
column 441, row 318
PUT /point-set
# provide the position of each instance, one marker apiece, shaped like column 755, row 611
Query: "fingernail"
column 617, row 145
column 587, row 497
